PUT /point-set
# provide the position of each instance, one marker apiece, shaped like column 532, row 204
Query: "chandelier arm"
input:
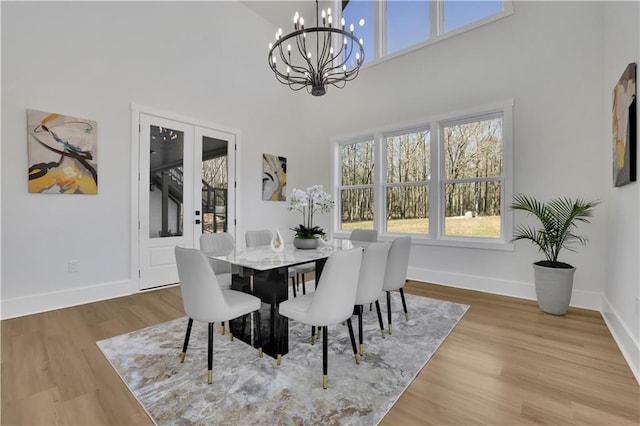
column 348, row 55
column 293, row 68
column 279, row 45
column 302, row 48
column 325, row 57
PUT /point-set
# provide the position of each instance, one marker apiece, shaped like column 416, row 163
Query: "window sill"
column 420, row 240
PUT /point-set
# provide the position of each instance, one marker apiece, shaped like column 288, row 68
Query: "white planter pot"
column 305, row 243
column 553, row 288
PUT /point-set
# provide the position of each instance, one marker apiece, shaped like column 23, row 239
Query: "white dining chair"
column 365, row 235
column 370, row 281
column 331, row 303
column 219, row 243
column 204, row 300
column 395, row 274
column 257, row 238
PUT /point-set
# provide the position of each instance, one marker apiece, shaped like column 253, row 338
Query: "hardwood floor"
column 506, row 363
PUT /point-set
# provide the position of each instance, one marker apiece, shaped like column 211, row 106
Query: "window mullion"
column 379, row 192
column 436, row 188
column 380, row 29
column 436, row 19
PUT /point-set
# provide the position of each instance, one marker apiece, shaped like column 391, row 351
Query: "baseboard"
column 628, row 344
column 43, row 302
column 579, row 298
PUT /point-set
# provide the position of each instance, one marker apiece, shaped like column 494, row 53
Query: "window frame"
column 437, row 181
column 436, row 28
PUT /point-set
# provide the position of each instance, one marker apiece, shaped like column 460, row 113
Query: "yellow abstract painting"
column 62, row 154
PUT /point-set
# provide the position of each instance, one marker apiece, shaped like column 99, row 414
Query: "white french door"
column 177, row 199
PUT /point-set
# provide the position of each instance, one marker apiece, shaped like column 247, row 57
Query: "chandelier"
column 338, row 55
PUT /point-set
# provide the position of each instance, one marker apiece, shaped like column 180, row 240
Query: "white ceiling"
column 280, row 13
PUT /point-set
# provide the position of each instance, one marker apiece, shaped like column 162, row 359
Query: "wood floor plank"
column 505, row 363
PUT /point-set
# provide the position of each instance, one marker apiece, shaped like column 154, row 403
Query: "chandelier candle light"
column 337, row 59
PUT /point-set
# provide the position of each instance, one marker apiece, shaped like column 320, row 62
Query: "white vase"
column 325, row 239
column 277, row 244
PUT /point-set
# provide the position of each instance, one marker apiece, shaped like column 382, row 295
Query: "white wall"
column 557, row 60
column 93, row 60
column 547, row 57
column 622, row 205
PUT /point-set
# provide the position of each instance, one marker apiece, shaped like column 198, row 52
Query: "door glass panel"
column 215, row 184
column 166, row 207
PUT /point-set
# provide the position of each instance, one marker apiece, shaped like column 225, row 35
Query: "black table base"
column 272, row 288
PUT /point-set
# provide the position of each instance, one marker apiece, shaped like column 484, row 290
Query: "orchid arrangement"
column 308, row 202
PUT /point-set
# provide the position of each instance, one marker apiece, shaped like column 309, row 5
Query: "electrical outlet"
column 73, row 266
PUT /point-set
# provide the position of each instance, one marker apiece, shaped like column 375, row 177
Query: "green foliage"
column 307, row 233
column 558, row 218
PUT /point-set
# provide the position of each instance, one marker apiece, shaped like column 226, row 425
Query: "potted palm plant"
column 558, row 219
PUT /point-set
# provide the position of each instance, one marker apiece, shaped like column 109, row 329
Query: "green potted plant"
column 308, row 202
column 558, row 221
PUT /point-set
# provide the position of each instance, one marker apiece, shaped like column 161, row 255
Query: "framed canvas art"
column 625, row 128
column 274, row 177
column 62, row 154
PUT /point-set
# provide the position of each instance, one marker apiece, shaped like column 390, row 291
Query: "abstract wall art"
column 62, row 154
column 274, row 177
column 625, row 127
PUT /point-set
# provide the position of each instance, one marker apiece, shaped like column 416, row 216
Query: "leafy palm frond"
column 558, row 219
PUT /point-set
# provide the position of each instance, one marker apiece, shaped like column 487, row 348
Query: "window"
column 443, row 181
column 392, row 26
column 457, row 14
column 408, row 23
column 356, row 185
column 407, row 187
column 472, row 177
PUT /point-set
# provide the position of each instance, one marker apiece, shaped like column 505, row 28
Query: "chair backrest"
column 202, row 297
column 258, row 238
column 219, row 243
column 335, row 295
column 367, row 235
column 397, row 263
column 374, row 263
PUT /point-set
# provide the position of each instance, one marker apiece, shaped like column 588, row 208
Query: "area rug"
column 248, row 390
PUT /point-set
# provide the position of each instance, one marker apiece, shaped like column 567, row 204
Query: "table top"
column 263, row 258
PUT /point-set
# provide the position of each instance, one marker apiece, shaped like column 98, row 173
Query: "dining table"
column 263, row 272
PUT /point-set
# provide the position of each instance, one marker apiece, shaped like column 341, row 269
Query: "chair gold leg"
column 325, row 381
column 406, row 316
column 209, row 376
column 260, row 352
column 222, row 332
column 361, row 349
column 313, row 339
column 182, row 356
column 230, row 336
column 389, row 328
column 279, row 359
column 382, row 332
column 357, row 358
